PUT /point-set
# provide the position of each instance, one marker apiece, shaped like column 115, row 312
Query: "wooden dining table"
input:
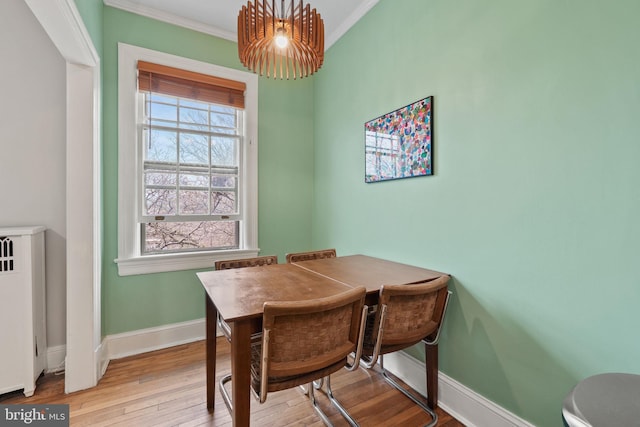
column 239, row 294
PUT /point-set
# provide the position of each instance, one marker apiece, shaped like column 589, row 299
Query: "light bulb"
column 281, row 38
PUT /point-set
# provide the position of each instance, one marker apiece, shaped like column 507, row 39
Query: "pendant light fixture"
column 285, row 42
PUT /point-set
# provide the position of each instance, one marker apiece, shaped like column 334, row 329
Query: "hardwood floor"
column 167, row 388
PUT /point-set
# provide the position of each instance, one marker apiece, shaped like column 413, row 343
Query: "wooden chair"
column 303, row 341
column 305, row 256
column 406, row 315
column 240, row 263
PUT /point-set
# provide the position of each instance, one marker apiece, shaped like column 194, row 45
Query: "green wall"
column 285, row 135
column 534, row 204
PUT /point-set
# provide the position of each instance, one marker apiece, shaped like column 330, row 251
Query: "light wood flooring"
column 167, row 388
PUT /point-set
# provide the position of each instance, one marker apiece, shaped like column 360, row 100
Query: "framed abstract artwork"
column 399, row 144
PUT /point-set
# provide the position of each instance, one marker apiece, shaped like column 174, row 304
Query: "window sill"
column 176, row 262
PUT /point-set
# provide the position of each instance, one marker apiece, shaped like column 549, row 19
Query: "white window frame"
column 130, row 261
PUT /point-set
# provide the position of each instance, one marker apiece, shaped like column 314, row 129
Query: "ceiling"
column 220, row 17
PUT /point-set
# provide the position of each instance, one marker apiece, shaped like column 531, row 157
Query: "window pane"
column 194, row 180
column 180, row 236
column 223, row 202
column 153, row 178
column 194, row 202
column 223, row 151
column 191, row 118
column 223, row 120
column 194, row 148
column 162, row 111
column 160, row 201
column 162, row 146
column 223, row 181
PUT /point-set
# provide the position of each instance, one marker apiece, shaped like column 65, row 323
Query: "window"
column 187, row 162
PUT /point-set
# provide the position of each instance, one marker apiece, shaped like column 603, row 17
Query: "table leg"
column 212, row 314
column 241, row 371
column 431, row 356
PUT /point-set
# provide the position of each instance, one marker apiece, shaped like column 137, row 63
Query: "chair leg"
column 224, row 393
column 423, row 406
column 334, row 401
column 317, row 408
column 339, row 406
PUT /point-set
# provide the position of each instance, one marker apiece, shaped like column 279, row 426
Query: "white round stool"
column 604, row 400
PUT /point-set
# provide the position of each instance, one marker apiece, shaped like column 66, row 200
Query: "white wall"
column 32, row 145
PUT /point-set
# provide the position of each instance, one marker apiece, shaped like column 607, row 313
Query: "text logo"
column 34, row 415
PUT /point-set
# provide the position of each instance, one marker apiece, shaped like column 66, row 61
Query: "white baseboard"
column 102, row 359
column 461, row 402
column 144, row 340
column 55, row 358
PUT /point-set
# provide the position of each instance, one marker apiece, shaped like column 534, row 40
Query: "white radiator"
column 23, row 332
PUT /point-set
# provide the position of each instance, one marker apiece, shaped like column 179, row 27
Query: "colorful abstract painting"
column 399, row 144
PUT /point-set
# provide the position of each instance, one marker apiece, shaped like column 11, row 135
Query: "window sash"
column 149, row 251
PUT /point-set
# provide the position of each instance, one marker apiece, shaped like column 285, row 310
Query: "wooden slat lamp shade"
column 259, row 25
column 188, row 84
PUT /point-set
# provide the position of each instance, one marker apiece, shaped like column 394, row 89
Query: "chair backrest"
column 246, row 262
column 307, row 340
column 305, row 256
column 406, row 315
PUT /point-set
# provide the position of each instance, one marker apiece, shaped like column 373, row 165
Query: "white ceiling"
column 220, row 17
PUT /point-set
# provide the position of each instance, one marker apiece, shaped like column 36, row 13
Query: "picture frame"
column 399, row 144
